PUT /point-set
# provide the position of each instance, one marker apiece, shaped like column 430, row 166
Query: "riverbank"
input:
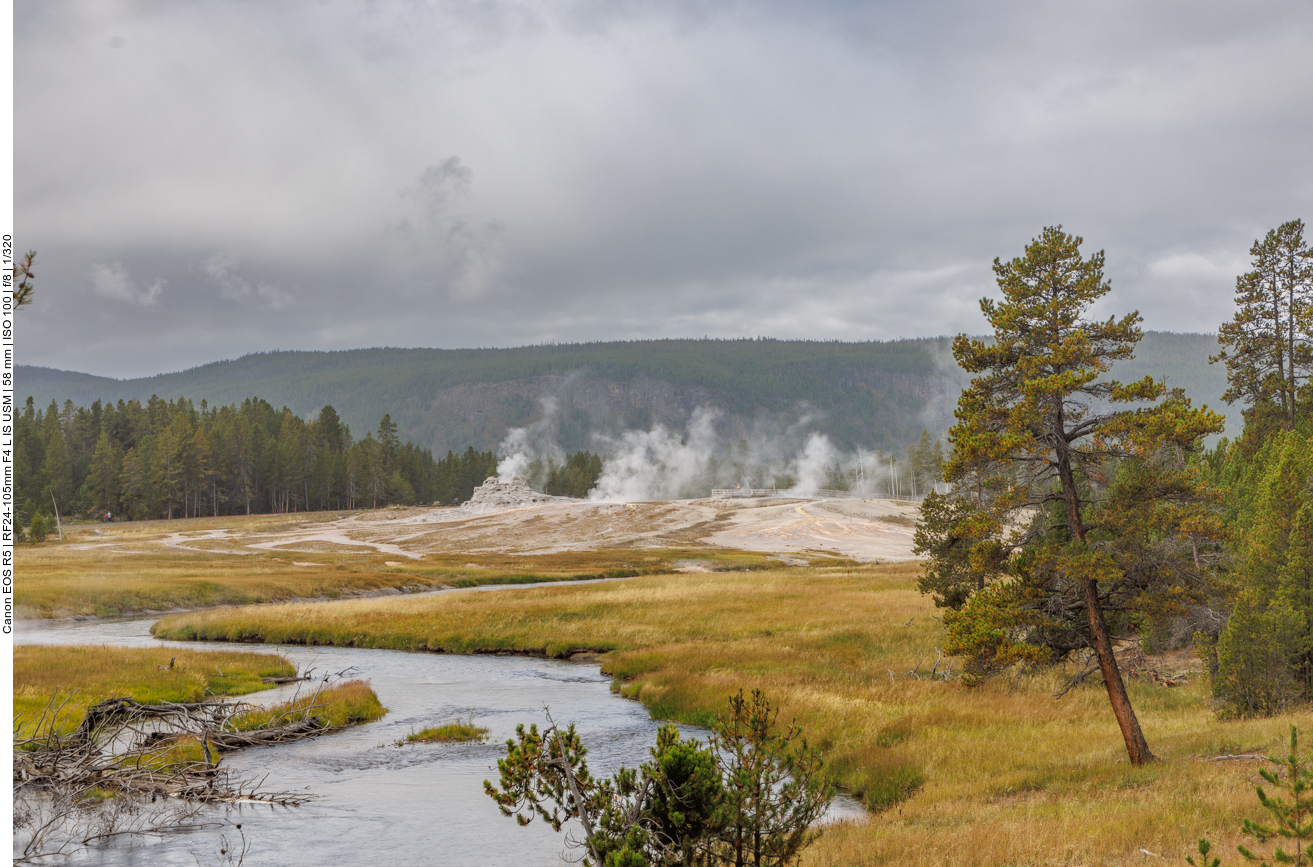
column 71, row 679
column 998, row 774
column 83, row 676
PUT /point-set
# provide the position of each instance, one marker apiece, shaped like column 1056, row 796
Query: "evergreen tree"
column 1291, row 817
column 963, row 546
column 24, row 279
column 1265, row 651
column 207, row 487
column 243, row 458
column 1269, row 342
column 106, row 469
column 925, row 461
column 58, row 468
column 387, row 440
column 751, row 797
column 133, row 486
column 1032, row 437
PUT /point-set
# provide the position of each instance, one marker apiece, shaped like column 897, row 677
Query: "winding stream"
column 383, row 804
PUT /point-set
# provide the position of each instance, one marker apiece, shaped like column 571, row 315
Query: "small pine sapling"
column 1292, row 819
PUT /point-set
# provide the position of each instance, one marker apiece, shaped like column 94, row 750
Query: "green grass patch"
column 460, row 731
column 343, row 704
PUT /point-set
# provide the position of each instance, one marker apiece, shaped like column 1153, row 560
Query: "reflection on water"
column 383, row 804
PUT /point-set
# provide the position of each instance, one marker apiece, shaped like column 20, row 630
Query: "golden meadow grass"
column 90, row 674
column 1007, row 774
column 136, row 573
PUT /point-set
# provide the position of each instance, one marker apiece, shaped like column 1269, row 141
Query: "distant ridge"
column 874, row 394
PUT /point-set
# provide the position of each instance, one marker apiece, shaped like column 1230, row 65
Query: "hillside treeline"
column 172, row 459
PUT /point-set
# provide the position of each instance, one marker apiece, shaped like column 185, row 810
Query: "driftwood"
column 273, row 735
column 125, row 769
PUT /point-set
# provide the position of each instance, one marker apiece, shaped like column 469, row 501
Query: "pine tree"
column 24, row 279
column 963, row 546
column 388, row 441
column 1033, row 437
column 1269, row 342
column 106, row 469
column 133, row 485
column 58, row 469
column 1265, row 651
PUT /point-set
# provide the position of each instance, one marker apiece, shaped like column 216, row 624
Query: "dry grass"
column 1002, row 774
column 91, row 674
column 108, row 570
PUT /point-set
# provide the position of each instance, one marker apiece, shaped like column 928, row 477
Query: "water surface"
column 388, row 805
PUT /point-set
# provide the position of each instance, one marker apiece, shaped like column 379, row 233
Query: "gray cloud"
column 495, row 173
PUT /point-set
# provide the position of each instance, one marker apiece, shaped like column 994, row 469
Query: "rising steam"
column 663, row 464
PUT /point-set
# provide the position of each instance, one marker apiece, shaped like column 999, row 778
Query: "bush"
column 1254, row 675
column 752, row 795
column 39, row 529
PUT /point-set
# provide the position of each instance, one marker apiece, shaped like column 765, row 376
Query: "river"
column 382, row 804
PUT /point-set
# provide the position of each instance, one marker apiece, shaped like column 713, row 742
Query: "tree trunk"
column 1137, row 748
column 1281, row 361
column 1290, row 354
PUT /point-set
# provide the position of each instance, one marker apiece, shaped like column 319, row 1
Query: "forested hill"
column 876, row 394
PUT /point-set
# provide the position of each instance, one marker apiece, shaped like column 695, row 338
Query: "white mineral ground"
column 509, row 517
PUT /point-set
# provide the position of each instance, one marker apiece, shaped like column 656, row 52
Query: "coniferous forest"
column 173, row 459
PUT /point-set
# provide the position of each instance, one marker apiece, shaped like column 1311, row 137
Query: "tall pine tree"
column 1036, row 450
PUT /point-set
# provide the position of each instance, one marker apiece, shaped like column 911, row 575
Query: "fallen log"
column 275, row 735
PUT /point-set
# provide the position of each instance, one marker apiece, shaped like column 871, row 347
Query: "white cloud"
column 113, row 281
column 221, row 269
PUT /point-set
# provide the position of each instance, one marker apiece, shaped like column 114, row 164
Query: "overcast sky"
column 207, row 179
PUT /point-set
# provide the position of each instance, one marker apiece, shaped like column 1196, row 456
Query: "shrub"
column 752, row 795
column 1254, row 675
